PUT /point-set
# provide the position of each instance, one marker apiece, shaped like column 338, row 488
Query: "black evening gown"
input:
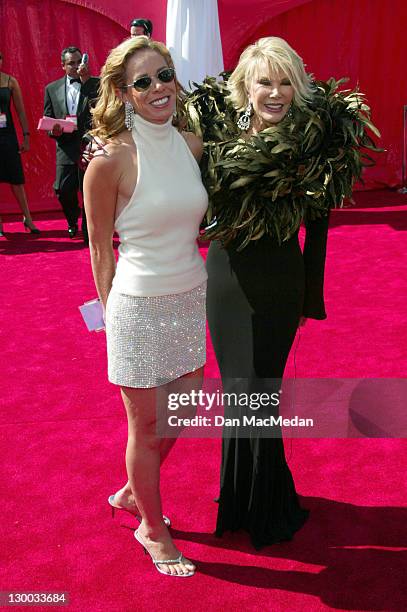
column 11, row 169
column 255, row 299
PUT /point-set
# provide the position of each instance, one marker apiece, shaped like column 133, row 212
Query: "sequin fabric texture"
column 153, row 340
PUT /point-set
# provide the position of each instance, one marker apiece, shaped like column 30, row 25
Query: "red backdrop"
column 32, row 35
column 362, row 39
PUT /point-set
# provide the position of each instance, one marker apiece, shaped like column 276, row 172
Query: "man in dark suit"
column 70, row 98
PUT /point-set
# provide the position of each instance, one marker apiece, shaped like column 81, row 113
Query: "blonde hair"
column 277, row 55
column 108, row 114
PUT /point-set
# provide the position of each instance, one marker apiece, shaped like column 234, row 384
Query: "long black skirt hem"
column 279, row 534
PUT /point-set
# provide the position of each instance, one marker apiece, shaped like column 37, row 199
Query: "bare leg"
column 143, row 466
column 124, row 496
column 143, row 469
column 20, row 196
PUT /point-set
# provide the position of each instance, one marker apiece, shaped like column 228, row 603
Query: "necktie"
column 74, row 81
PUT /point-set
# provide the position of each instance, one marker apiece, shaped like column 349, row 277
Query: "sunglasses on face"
column 166, row 75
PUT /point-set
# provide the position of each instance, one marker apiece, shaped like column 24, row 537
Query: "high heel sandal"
column 30, row 227
column 137, row 516
column 158, row 562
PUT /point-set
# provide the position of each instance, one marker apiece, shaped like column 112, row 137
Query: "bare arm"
column 19, row 106
column 100, row 196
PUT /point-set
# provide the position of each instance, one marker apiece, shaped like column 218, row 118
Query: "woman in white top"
column 146, row 185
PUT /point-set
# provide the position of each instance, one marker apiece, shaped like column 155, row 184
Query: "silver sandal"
column 158, row 562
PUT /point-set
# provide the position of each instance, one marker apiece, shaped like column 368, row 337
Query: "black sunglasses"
column 166, row 75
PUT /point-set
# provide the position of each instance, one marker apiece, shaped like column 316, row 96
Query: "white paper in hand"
column 92, row 313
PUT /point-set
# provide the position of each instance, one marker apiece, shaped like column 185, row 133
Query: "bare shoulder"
column 12, row 81
column 104, row 167
column 195, row 144
column 100, row 183
column 112, row 154
column 111, row 163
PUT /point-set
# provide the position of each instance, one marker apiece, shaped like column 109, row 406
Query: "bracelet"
column 26, row 133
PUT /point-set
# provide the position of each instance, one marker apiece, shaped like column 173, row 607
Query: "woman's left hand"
column 25, row 146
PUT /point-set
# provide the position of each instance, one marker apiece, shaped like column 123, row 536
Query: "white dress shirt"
column 73, row 91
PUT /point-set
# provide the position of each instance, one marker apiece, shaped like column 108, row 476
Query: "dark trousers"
column 68, row 181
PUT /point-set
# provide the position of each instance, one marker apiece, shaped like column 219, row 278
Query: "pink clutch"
column 47, row 123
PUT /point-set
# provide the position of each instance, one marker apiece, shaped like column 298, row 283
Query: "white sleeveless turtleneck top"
column 158, row 253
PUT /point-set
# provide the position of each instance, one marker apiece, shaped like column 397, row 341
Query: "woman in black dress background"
column 11, row 170
column 257, row 297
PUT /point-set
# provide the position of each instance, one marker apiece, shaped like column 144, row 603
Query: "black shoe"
column 72, row 231
column 30, row 227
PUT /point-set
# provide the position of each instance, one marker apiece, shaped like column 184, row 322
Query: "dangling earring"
column 289, row 114
column 244, row 120
column 129, row 115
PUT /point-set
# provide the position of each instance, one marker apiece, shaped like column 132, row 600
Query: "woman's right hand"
column 90, row 147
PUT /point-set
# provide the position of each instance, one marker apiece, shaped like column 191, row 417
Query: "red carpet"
column 64, row 434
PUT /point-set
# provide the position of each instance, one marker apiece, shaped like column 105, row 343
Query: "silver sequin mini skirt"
column 153, row 340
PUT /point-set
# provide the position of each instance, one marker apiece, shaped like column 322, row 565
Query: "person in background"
column 11, row 169
column 141, row 27
column 70, row 97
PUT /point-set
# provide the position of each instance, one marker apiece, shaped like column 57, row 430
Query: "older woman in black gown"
column 257, row 297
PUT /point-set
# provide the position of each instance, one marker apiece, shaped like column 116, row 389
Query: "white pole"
column 193, row 39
